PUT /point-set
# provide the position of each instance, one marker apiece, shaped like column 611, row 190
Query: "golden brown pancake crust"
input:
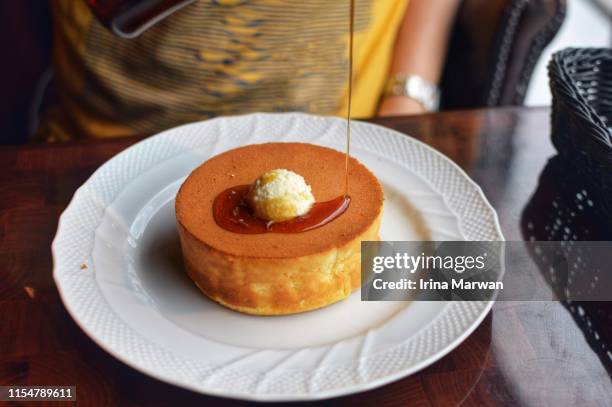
column 322, row 168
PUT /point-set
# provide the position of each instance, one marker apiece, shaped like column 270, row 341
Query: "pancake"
column 277, row 273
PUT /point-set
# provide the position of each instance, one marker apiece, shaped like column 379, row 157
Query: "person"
column 226, row 57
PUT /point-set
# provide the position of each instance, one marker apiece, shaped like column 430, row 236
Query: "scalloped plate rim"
column 323, row 394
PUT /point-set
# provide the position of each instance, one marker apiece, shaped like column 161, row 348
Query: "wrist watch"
column 415, row 88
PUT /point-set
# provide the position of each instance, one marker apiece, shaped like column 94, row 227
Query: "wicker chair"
column 494, row 48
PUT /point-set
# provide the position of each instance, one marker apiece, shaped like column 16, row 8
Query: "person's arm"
column 420, row 49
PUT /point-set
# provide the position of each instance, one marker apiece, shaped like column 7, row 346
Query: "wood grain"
column 522, row 354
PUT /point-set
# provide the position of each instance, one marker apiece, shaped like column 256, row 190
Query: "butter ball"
column 279, row 195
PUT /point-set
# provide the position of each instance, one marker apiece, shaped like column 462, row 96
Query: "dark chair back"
column 493, row 50
column 25, row 39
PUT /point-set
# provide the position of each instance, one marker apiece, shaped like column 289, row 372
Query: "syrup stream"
column 350, row 98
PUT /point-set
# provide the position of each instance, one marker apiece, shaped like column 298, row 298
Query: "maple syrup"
column 232, row 213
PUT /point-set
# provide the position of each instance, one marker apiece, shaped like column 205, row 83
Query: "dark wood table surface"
column 524, row 353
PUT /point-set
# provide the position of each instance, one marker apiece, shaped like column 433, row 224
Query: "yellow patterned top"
column 217, row 57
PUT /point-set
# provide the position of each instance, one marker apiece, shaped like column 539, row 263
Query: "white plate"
column 118, row 269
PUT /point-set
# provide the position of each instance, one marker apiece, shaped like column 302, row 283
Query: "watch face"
column 416, row 88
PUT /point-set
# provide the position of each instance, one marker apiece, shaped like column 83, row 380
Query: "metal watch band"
column 416, row 88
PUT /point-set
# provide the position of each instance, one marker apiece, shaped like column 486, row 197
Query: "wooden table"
column 524, row 353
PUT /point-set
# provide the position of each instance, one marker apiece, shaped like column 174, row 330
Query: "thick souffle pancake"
column 277, row 273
